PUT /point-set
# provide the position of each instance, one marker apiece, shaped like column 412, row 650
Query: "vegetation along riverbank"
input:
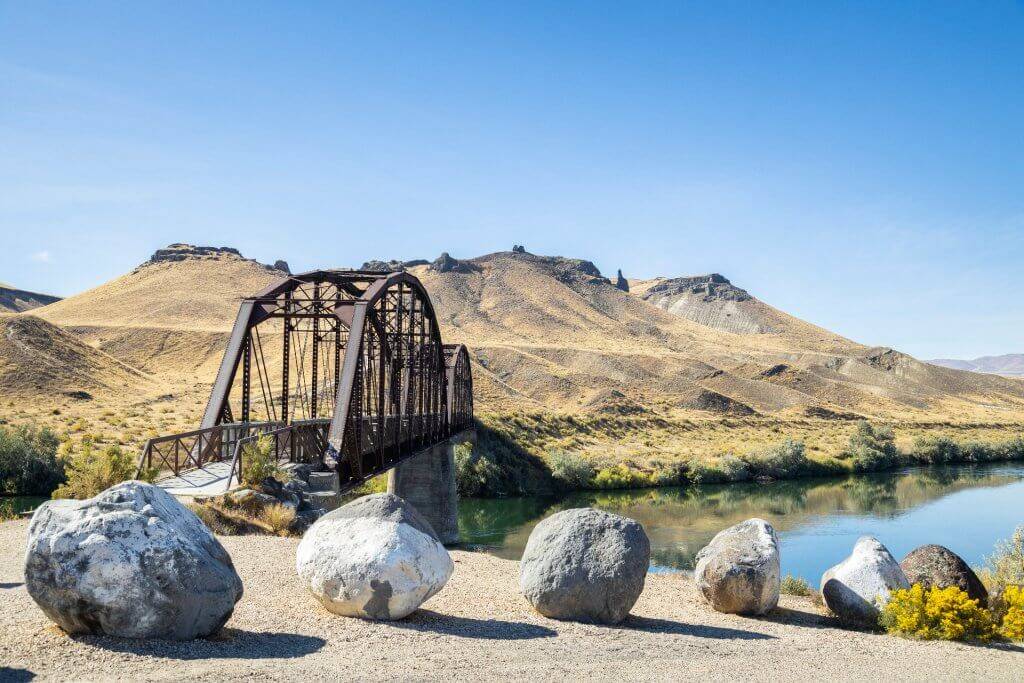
column 536, row 453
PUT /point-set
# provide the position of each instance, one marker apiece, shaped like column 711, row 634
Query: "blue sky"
column 860, row 165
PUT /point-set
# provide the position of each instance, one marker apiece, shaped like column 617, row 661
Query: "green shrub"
column 936, row 614
column 872, row 449
column 721, row 471
column 260, row 462
column 475, row 474
column 90, row 471
column 622, row 477
column 571, row 471
column 497, row 465
column 785, row 461
column 794, row 585
column 935, row 450
column 1005, row 567
column 28, row 462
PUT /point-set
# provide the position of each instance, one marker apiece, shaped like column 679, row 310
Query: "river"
column 966, row 508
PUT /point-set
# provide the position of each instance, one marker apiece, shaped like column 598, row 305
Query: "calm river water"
column 966, row 508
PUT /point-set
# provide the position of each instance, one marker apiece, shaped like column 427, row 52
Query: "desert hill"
column 38, row 359
column 171, row 315
column 14, row 300
column 1010, row 364
column 553, row 334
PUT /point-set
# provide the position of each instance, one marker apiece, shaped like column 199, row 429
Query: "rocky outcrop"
column 131, row 562
column 710, row 287
column 621, row 283
column 446, row 264
column 182, row 252
column 190, row 252
column 585, row 565
column 738, row 572
column 518, row 249
column 392, row 266
column 934, row 565
column 857, row 588
column 375, row 558
column 282, row 265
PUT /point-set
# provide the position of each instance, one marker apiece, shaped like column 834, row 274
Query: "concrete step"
column 324, row 481
column 328, row 500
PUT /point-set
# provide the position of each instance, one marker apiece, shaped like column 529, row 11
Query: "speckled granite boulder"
column 934, row 565
column 585, row 565
column 374, row 558
column 858, row 587
column 131, row 562
column 738, row 572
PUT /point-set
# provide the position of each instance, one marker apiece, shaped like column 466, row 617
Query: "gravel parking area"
column 478, row 627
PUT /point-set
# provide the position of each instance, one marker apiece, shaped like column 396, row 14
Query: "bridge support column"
column 427, row 482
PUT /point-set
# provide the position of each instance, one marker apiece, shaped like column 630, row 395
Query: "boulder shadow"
column 11, row 585
column 10, row 674
column 228, row 643
column 794, row 617
column 678, row 628
column 467, row 627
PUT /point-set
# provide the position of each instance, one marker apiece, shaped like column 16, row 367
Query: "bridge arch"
column 344, row 366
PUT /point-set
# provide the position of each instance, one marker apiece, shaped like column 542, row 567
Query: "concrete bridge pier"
column 427, row 481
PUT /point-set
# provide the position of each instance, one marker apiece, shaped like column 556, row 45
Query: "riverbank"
column 529, row 454
column 478, row 627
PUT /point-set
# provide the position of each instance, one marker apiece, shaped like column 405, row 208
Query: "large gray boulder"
column 738, row 572
column 585, row 565
column 857, row 588
column 374, row 558
column 131, row 562
column 939, row 567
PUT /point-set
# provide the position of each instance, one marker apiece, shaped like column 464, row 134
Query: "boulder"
column 738, row 572
column 858, row 587
column 934, row 565
column 374, row 558
column 132, row 562
column 585, row 565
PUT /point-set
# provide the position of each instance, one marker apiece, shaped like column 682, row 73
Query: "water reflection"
column 818, row 520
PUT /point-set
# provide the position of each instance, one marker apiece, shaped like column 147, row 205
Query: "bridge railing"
column 303, row 441
column 194, row 449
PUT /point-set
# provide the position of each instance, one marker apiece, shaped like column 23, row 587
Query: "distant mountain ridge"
column 1009, row 364
column 14, row 300
column 552, row 332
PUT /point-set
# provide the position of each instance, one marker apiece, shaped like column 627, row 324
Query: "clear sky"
column 860, row 165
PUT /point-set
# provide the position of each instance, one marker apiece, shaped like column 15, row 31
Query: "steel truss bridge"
column 338, row 368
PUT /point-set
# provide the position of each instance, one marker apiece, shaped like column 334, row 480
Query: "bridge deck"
column 209, row 480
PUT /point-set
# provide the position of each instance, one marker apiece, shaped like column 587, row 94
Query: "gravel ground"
column 478, row 627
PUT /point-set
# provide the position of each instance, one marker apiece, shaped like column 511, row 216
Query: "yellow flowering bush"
column 936, row 614
column 1012, row 606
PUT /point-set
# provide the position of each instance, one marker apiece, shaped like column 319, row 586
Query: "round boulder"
column 738, row 572
column 132, row 562
column 585, row 565
column 374, row 558
column 934, row 565
column 857, row 588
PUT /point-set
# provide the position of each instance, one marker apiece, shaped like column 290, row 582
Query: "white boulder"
column 738, row 572
column 131, row 562
column 374, row 558
column 857, row 588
